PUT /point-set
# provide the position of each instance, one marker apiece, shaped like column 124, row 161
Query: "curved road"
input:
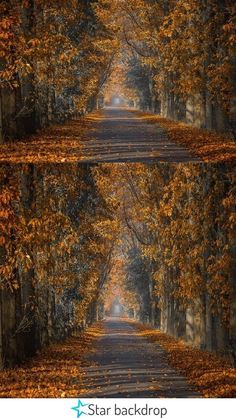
column 120, row 135
column 124, row 364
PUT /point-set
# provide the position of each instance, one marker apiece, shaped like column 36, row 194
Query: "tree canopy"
column 173, row 57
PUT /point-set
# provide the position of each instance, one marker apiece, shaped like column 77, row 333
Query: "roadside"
column 211, row 375
column 209, row 146
column 55, row 372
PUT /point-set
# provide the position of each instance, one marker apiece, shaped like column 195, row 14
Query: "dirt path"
column 127, row 365
column 120, row 135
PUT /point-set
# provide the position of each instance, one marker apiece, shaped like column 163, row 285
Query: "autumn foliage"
column 160, row 209
column 62, row 59
column 67, row 235
column 179, row 57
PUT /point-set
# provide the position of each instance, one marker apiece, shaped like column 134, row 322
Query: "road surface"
column 124, row 364
column 120, row 135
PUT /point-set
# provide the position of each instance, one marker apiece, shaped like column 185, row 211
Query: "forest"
column 60, row 59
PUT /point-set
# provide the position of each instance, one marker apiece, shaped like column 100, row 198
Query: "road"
column 120, row 135
column 125, row 364
column 112, row 135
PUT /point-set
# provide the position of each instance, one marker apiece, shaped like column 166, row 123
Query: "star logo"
column 78, row 408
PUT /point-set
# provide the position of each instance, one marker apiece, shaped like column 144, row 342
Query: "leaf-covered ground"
column 56, row 144
column 53, row 373
column 211, row 375
column 209, row 146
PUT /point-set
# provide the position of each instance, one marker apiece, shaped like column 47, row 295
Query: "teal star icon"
column 78, row 407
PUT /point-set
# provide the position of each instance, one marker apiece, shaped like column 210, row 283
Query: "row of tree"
column 56, row 241
column 179, row 57
column 54, row 58
column 177, row 248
